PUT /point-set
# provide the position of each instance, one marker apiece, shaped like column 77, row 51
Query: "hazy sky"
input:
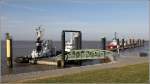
column 95, row 18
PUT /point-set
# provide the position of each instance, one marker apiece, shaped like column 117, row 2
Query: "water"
column 22, row 48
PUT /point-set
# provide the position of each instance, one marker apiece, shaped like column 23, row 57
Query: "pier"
column 78, row 54
column 118, row 44
column 103, row 54
column 72, row 50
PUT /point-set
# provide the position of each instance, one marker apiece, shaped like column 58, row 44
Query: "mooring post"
column 129, row 40
column 63, row 49
column 118, row 47
column 122, row 43
column 103, row 43
column 140, row 43
column 143, row 42
column 129, row 43
column 103, row 40
column 126, row 44
column 133, row 43
column 9, row 53
column 80, row 40
column 118, row 42
column 137, row 43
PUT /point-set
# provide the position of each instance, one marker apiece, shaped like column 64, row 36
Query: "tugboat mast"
column 39, row 40
column 115, row 35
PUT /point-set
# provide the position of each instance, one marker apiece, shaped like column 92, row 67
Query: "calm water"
column 22, row 48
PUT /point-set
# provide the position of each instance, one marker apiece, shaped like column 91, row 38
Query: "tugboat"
column 43, row 49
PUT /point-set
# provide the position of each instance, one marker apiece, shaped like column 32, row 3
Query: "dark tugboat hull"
column 22, row 60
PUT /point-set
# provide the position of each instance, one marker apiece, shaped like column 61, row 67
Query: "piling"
column 63, row 48
column 103, row 43
column 122, row 43
column 80, row 40
column 143, row 41
column 130, row 43
column 126, row 46
column 118, row 47
column 9, row 53
column 104, row 47
column 138, row 43
column 133, row 43
column 118, row 42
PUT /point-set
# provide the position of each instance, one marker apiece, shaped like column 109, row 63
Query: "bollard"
column 9, row 53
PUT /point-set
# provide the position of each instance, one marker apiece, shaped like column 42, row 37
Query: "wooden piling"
column 126, row 44
column 130, row 43
column 143, row 42
column 104, row 43
column 133, row 43
column 140, row 43
column 118, row 42
column 63, row 47
column 122, row 43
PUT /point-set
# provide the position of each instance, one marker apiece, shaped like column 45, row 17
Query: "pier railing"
column 88, row 54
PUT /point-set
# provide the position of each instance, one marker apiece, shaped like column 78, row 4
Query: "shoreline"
column 121, row 61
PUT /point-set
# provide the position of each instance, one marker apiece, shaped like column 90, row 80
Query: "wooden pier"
column 128, row 44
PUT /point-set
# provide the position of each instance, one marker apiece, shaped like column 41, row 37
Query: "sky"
column 95, row 18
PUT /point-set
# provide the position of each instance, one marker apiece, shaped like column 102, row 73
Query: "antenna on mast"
column 39, row 32
column 115, row 35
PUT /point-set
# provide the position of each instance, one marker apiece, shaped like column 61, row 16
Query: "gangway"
column 87, row 54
